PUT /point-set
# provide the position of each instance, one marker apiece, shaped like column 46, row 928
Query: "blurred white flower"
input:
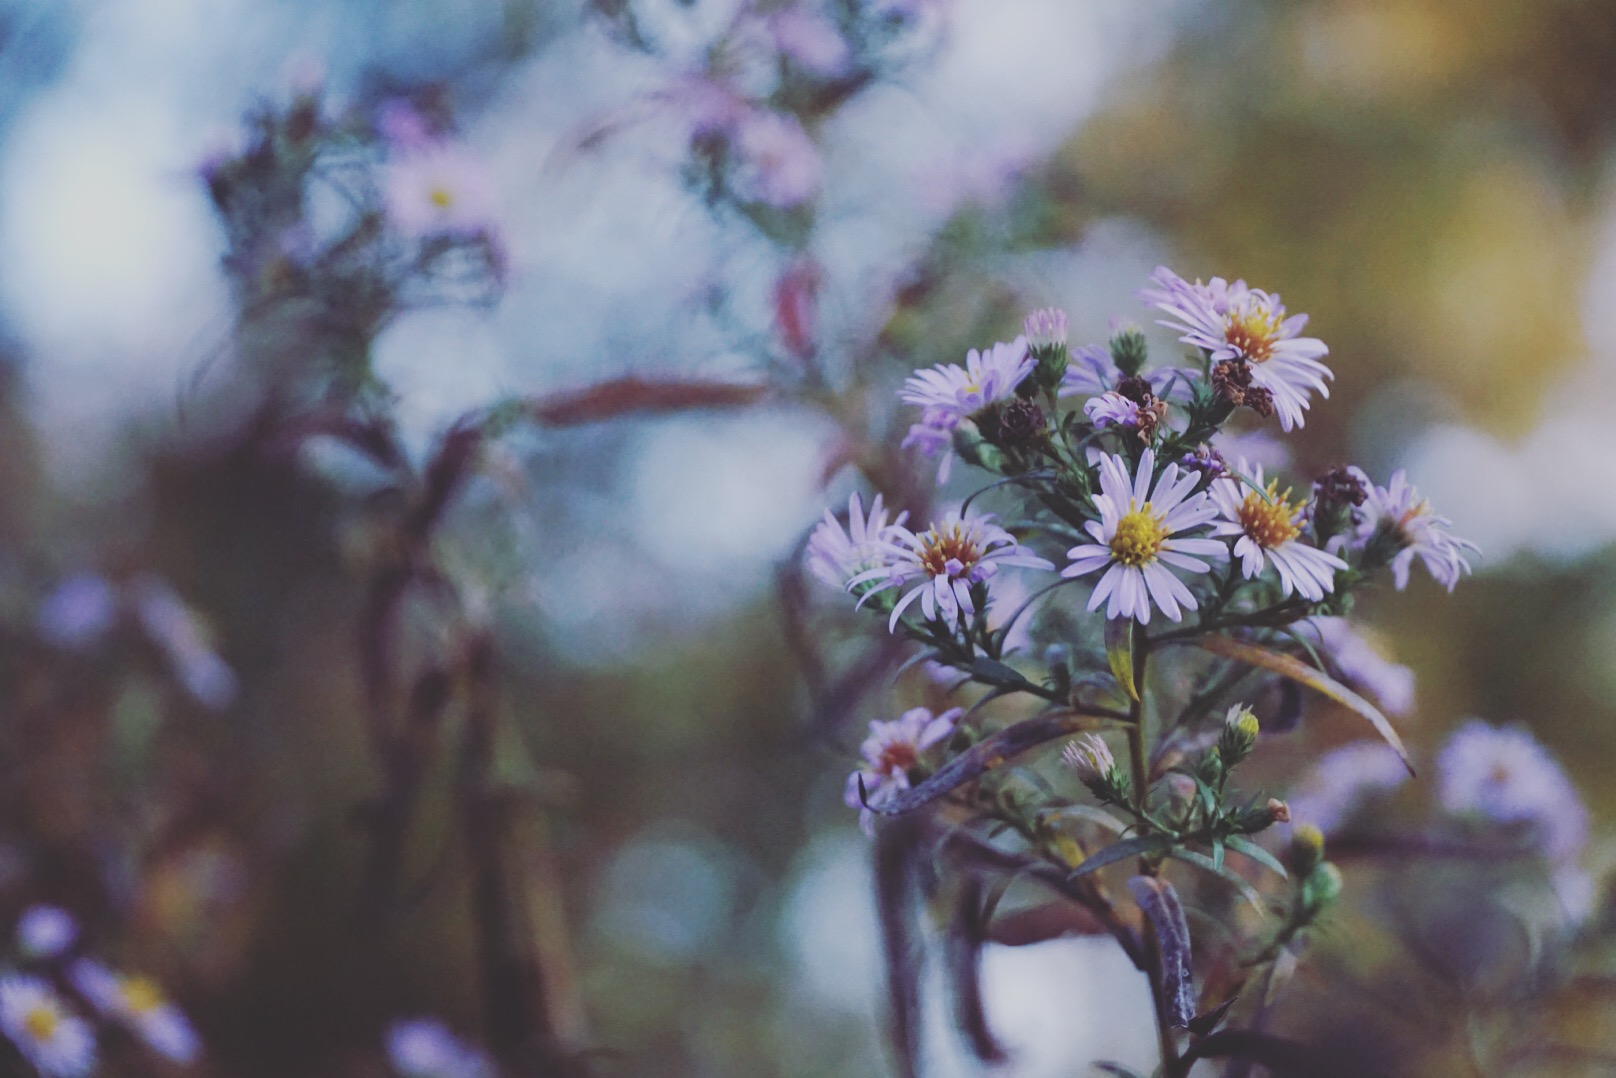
column 439, row 189
column 139, row 1005
column 38, row 1022
column 46, row 931
column 424, row 1048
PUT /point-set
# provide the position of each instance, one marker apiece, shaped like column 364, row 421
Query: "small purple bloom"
column 779, row 163
column 891, row 752
column 1398, row 509
column 1333, row 788
column 1357, row 662
column 1502, row 774
column 1045, row 328
column 46, row 931
column 837, row 555
column 79, row 612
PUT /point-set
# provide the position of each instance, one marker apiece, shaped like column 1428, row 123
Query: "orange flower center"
column 898, row 757
column 1268, row 518
column 951, row 544
column 1253, row 331
column 1139, row 537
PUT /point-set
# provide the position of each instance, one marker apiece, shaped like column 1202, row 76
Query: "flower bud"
column 1307, row 848
column 1091, row 758
column 1239, row 735
column 1322, row 887
column 1278, row 811
column 1128, row 350
column 1045, row 330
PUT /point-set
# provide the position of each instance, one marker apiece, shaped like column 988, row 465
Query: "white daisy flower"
column 1234, row 322
column 1136, row 539
column 940, row 565
column 1420, row 532
column 836, row 554
column 1269, row 527
column 139, row 1005
column 38, row 1022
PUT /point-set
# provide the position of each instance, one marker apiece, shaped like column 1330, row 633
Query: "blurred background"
column 227, row 392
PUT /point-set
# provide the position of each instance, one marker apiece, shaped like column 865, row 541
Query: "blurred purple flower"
column 139, row 1005
column 1502, row 774
column 35, row 1019
column 46, row 931
column 1358, row 663
column 1398, row 510
column 1333, row 788
column 891, row 750
column 837, row 555
column 424, row 1048
column 779, row 163
column 934, row 437
column 79, row 612
column 439, row 189
column 174, row 628
column 810, row 40
column 402, row 125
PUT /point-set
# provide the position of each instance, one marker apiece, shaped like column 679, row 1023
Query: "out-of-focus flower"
column 46, row 931
column 951, row 392
column 78, row 612
column 1269, row 529
column 810, row 40
column 38, row 1022
column 1358, row 663
column 940, row 565
column 402, row 125
column 934, row 437
column 778, row 163
column 439, row 189
column 1138, row 536
column 424, row 1048
column 1234, row 322
column 174, row 628
column 1502, row 774
column 1397, row 511
column 1333, row 788
column 891, row 751
column 837, row 555
column 139, row 1005
column 1045, row 328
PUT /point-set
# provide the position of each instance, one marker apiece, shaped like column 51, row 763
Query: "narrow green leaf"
column 1119, row 652
column 1239, row 883
column 1217, row 854
column 1243, row 845
column 1300, row 672
column 1121, row 851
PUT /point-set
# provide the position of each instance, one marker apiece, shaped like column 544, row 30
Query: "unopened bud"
column 1045, row 330
column 1128, row 349
column 1091, row 758
column 1278, row 811
column 1239, row 735
column 1322, row 887
column 1307, row 848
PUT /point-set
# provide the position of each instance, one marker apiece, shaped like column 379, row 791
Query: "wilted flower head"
column 1269, row 528
column 891, row 751
column 1234, row 322
column 1504, row 775
column 1397, row 511
column 139, row 1005
column 439, row 189
column 940, row 565
column 1138, row 536
column 36, row 1020
column 779, row 163
column 424, row 1048
column 1333, row 788
column 836, row 555
column 46, row 931
column 1045, row 328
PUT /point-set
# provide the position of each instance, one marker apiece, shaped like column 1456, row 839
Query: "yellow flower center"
column 952, row 544
column 1253, row 331
column 141, row 994
column 1139, row 537
column 441, row 197
column 1267, row 518
column 41, row 1022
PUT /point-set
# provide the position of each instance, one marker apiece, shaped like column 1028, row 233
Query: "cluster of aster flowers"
column 1157, row 560
column 53, row 1005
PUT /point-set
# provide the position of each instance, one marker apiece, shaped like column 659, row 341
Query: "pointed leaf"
column 1160, row 904
column 1119, row 652
column 1239, row 883
column 1121, row 851
column 1243, row 845
column 1217, row 854
column 1298, row 671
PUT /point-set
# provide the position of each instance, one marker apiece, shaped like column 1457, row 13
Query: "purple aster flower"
column 1356, row 661
column 1234, row 322
column 1269, row 529
column 891, row 752
column 1502, row 774
column 140, row 1006
column 1398, row 511
column 79, row 612
column 939, row 566
column 439, row 189
column 934, row 437
column 1092, row 371
column 837, row 555
column 779, row 162
column 951, row 392
column 810, row 40
column 1112, row 409
column 1333, row 788
column 1139, row 534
